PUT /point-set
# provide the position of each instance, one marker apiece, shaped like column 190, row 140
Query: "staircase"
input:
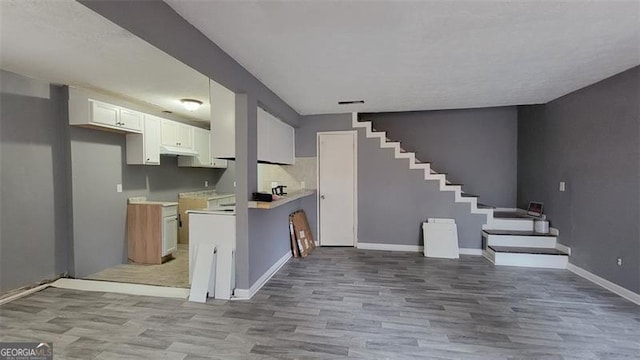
column 507, row 236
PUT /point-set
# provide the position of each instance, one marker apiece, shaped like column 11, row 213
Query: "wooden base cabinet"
column 152, row 232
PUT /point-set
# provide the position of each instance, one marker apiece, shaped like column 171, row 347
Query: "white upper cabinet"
column 177, row 134
column 264, row 136
column 223, row 121
column 202, row 145
column 144, row 149
column 88, row 112
column 276, row 140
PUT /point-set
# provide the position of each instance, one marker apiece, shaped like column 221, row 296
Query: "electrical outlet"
column 119, row 188
column 302, row 185
column 206, row 183
column 234, row 184
column 562, row 186
column 619, row 261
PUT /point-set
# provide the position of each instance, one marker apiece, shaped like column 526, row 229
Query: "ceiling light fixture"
column 191, row 104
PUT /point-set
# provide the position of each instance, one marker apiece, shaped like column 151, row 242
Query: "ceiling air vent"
column 350, row 102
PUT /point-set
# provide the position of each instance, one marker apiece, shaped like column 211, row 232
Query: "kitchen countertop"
column 205, row 194
column 151, row 202
column 283, row 200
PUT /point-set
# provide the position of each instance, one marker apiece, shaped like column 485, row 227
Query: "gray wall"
column 474, row 147
column 33, row 210
column 269, row 236
column 98, row 161
column 393, row 200
column 590, row 140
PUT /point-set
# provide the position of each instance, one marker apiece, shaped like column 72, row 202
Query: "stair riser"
column 521, row 241
column 531, row 260
column 511, row 224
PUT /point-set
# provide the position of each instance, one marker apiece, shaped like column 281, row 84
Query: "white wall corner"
column 614, row 288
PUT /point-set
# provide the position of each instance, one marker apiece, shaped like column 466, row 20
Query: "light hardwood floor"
column 173, row 273
column 347, row 303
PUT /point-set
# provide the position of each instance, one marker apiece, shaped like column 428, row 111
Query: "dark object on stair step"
column 468, row 195
column 516, row 233
column 526, row 250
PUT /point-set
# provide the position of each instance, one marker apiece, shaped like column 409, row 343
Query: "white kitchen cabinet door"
column 144, row 149
column 275, row 139
column 185, row 134
column 103, row 113
column 223, row 121
column 169, row 132
column 264, row 125
column 169, row 234
column 131, row 120
column 282, row 143
column 151, row 137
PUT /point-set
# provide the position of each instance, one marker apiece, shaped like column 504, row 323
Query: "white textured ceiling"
column 64, row 42
column 417, row 55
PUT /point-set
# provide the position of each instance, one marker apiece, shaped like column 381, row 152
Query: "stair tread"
column 517, row 233
column 483, row 206
column 468, row 195
column 510, row 215
column 526, row 250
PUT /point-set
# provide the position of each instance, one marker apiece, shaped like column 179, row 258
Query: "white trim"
column 122, row 288
column 246, row 294
column 469, row 251
column 354, row 133
column 23, row 293
column 614, row 288
column 410, row 248
column 563, row 248
column 390, row 247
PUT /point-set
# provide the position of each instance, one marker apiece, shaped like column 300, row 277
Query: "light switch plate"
column 206, row 183
column 119, row 188
column 302, row 185
column 562, row 186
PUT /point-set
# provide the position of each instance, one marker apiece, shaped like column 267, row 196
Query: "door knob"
column 322, row 197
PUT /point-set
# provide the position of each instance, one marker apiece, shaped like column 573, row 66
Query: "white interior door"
column 337, row 188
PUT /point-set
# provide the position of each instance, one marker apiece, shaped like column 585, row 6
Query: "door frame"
column 354, row 134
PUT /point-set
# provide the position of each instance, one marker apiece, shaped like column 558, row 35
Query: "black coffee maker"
column 279, row 190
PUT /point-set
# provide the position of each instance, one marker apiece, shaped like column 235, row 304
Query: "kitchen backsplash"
column 292, row 176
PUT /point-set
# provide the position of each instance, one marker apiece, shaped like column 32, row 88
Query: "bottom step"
column 527, row 257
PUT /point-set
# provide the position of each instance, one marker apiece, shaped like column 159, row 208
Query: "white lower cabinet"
column 169, row 230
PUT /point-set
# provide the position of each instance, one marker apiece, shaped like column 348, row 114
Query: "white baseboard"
column 122, row 288
column 468, row 251
column 246, row 294
column 563, row 248
column 410, row 248
column 614, row 288
column 23, row 293
column 390, row 247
